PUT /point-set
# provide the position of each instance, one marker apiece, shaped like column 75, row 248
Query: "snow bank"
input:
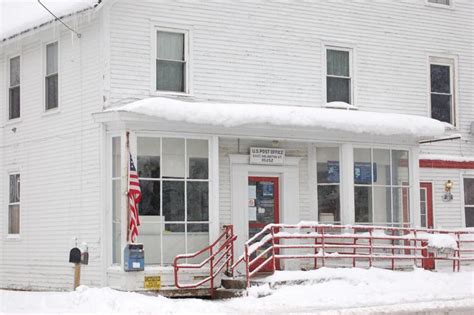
column 441, row 241
column 319, row 290
column 233, row 115
column 19, row 16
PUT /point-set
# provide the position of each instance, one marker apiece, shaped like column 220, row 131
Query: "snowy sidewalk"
column 328, row 291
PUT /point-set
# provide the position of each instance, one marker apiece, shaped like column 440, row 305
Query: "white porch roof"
column 235, row 118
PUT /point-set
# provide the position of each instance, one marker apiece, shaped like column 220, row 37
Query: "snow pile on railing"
column 233, row 115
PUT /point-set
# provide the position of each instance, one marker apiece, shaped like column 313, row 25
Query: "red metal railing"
column 221, row 254
column 356, row 244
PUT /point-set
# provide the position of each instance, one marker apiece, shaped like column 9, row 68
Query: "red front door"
column 263, row 208
column 426, row 219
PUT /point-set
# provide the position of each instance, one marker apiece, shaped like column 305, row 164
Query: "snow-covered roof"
column 20, row 16
column 235, row 115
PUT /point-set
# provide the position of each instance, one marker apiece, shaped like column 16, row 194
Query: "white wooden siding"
column 57, row 156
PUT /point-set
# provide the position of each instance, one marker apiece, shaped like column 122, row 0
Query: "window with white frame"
column 14, row 89
column 174, row 210
column 171, row 61
column 442, row 90
column 328, row 184
column 381, row 186
column 14, row 204
column 51, row 76
column 469, row 201
column 116, row 200
column 338, row 75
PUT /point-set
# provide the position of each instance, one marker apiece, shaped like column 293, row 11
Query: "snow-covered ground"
column 347, row 291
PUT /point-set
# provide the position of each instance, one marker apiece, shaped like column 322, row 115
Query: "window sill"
column 13, row 237
column 51, row 112
column 170, row 93
column 11, row 122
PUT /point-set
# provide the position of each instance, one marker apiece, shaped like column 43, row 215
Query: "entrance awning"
column 273, row 120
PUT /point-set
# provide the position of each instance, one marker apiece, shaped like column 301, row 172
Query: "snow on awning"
column 236, row 115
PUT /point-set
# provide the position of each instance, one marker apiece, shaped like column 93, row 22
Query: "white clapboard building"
column 243, row 113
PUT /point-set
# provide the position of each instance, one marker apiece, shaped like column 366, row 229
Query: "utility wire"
column 70, row 28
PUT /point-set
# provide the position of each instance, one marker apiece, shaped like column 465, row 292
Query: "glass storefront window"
column 174, row 180
column 381, row 191
column 328, row 184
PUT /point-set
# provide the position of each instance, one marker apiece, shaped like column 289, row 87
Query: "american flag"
column 134, row 197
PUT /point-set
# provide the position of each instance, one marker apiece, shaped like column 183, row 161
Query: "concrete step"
column 223, row 293
column 234, row 283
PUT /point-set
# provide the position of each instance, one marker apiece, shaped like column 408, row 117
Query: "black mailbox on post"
column 75, row 255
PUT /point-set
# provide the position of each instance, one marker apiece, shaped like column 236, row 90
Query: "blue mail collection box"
column 134, row 257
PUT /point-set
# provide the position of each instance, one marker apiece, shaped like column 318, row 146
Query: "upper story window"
column 171, row 61
column 14, row 204
column 338, row 75
column 14, row 89
column 441, row 90
column 51, row 76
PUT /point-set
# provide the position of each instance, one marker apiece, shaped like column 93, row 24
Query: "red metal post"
column 211, row 266
column 322, row 246
column 316, row 248
column 247, row 269
column 370, row 247
column 393, row 250
column 273, row 249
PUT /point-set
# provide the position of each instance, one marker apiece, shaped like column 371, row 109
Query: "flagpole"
column 128, row 186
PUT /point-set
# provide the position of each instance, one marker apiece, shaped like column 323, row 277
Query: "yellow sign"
column 153, row 282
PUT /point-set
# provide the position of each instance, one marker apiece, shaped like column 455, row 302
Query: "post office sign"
column 152, row 282
column 267, row 156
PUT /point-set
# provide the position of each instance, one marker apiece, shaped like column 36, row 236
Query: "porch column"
column 347, row 184
column 415, row 219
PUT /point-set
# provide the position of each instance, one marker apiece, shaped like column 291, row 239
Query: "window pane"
column 441, row 107
column 173, row 158
column 382, row 205
column 116, row 157
column 469, row 191
column 116, row 245
column 400, row 167
column 148, row 157
column 362, row 166
column 198, row 238
column 173, row 201
column 363, row 204
column 116, row 201
column 170, row 46
column 15, row 71
column 329, row 206
column 440, row 79
column 198, row 201
column 401, row 208
column 381, row 167
column 173, row 242
column 170, row 75
column 469, row 216
column 150, row 203
column 14, row 102
column 149, row 236
column 423, row 221
column 14, row 188
column 338, row 90
column 338, row 62
column 52, row 58
column 328, row 165
column 52, row 92
column 14, row 219
column 197, row 157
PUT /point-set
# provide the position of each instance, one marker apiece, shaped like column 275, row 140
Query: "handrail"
column 357, row 242
column 225, row 247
